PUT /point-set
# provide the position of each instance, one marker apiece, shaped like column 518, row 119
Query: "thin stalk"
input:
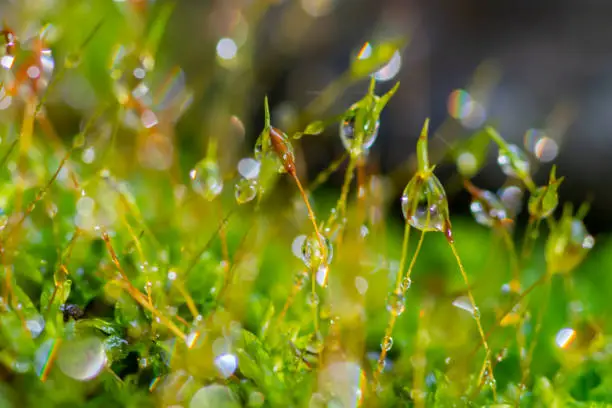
column 514, row 260
column 323, row 176
column 392, row 318
column 476, row 313
column 136, row 294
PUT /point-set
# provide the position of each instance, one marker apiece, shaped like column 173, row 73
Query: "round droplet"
column 249, row 168
column 245, row 190
column 512, row 200
column 35, row 325
column 424, row 204
column 278, row 147
column 226, row 364
column 406, row 284
column 129, row 71
column 82, row 358
column 487, row 209
column 206, row 179
column 387, row 343
column 513, row 161
column 297, row 244
column 396, row 304
column 349, row 134
column 313, row 254
column 213, row 396
column 312, row 299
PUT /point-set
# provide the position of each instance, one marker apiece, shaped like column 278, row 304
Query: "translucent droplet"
column 396, row 304
column 346, row 381
column 297, row 244
column 424, row 204
column 463, row 303
column 312, row 299
column 387, row 343
column 206, row 179
column 82, row 358
column 214, row 395
column 361, row 284
column 349, row 134
column 249, row 168
column 35, row 325
column 226, row 364
column 227, row 49
column 487, row 209
column 406, row 284
column 513, row 161
column 565, row 337
column 245, row 190
column 467, row 163
column 313, row 254
column 512, row 200
column 129, row 71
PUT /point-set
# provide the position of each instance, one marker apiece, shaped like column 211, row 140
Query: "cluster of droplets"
column 486, row 207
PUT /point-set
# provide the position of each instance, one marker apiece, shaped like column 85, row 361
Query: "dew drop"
column 424, row 206
column 35, row 325
column 206, row 179
column 396, row 304
column 513, row 161
column 565, row 337
column 361, row 284
column 406, row 284
column 313, row 254
column 387, row 343
column 245, row 190
column 226, row 364
column 312, row 299
column 487, row 209
column 348, row 133
column 463, row 303
column 214, row 395
column 82, row 359
column 249, row 168
column 512, row 199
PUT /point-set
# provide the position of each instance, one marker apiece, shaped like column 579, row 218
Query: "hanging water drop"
column 206, row 179
column 424, row 204
column 313, row 254
column 406, row 284
column 513, row 161
column 487, row 209
column 396, row 304
column 276, row 145
column 349, row 134
column 245, row 190
column 312, row 299
column 387, row 343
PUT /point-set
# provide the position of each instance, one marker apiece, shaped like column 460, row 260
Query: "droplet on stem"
column 424, row 204
column 349, row 132
column 206, row 179
column 513, row 161
column 245, row 190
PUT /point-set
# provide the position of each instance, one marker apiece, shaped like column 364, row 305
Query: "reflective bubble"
column 512, row 199
column 513, row 161
column 249, row 168
column 312, row 253
column 346, row 381
column 226, row 364
column 348, row 133
column 214, row 396
column 387, row 344
column 463, row 303
column 424, row 204
column 245, row 190
column 129, row 71
column 390, row 71
column 82, row 358
column 487, row 209
column 396, row 304
column 227, row 49
column 565, row 337
column 206, row 179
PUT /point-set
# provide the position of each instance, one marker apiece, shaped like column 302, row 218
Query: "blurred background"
column 534, row 69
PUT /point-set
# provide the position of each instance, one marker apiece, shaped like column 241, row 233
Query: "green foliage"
column 140, row 270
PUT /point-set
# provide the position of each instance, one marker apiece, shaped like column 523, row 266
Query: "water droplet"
column 424, row 204
column 463, row 302
column 245, row 190
column 227, row 49
column 467, row 163
column 313, row 254
column 206, row 179
column 249, row 168
column 82, row 358
column 396, row 304
column 512, row 199
column 406, row 284
column 348, row 133
column 588, row 242
column 171, row 275
column 296, row 245
column 312, row 299
column 487, row 209
column 226, row 364
column 565, row 337
column 513, row 161
column 214, row 395
column 361, row 284
column 35, row 325
column 278, row 148
column 129, row 71
column 387, row 343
